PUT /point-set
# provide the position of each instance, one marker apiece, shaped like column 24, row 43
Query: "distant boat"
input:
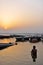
column 34, row 40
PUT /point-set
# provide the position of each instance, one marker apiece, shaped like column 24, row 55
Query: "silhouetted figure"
column 34, row 53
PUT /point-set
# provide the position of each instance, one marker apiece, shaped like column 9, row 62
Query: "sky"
column 21, row 16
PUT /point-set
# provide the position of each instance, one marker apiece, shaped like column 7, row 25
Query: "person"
column 34, row 53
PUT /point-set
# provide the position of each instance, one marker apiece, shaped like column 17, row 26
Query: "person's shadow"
column 34, row 53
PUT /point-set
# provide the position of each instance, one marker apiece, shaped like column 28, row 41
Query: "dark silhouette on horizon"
column 34, row 53
column 22, row 38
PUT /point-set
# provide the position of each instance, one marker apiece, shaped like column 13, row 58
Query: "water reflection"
column 21, row 54
column 34, row 53
column 7, row 40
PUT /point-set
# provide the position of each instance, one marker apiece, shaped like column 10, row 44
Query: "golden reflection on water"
column 7, row 40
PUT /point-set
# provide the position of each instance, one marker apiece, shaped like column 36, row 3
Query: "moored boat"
column 5, row 45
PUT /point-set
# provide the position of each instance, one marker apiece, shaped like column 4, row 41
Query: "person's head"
column 34, row 47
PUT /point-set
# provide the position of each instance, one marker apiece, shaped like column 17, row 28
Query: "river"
column 20, row 54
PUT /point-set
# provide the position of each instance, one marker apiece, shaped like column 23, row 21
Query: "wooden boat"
column 5, row 45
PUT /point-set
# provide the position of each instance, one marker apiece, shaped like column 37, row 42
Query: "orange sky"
column 21, row 13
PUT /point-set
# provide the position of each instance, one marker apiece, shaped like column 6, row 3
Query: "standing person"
column 34, row 53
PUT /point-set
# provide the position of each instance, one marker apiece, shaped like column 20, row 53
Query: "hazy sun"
column 9, row 22
column 6, row 23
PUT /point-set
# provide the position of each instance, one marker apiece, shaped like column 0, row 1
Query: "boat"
column 34, row 40
column 5, row 45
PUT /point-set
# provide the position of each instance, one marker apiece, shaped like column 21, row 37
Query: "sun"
column 5, row 28
column 6, row 23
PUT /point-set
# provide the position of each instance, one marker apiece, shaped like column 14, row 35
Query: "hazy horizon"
column 21, row 16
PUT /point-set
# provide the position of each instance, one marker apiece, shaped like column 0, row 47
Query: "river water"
column 20, row 54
